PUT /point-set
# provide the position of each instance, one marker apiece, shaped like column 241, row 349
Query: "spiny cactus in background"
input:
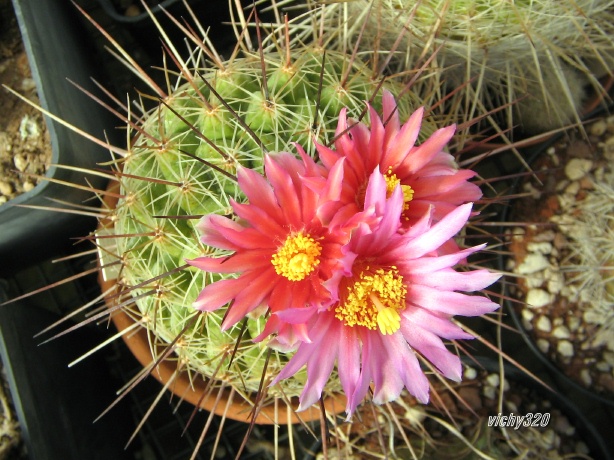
column 588, row 226
column 182, row 162
column 541, row 57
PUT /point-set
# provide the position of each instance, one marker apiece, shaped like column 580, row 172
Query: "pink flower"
column 286, row 247
column 395, row 302
column 429, row 177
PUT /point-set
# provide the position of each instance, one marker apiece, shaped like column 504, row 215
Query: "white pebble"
column 518, row 234
column 549, row 438
column 561, row 332
column 585, row 376
column 511, row 406
column 536, row 280
column 543, row 324
column 599, row 128
column 527, row 314
column 415, row 415
column 28, row 84
column 556, row 281
column 537, row 298
column 533, row 263
column 546, row 235
column 565, row 348
column 527, row 317
column 470, row 373
column 573, row 188
column 28, row 128
column 20, row 162
column 577, row 168
column 489, row 392
column 592, row 317
column 573, row 322
column 493, row 380
column 531, row 190
column 542, row 247
column 565, row 201
column 543, row 345
column 609, row 357
column 27, row 186
column 603, row 366
column 582, row 448
column 561, row 185
column 6, row 188
column 562, row 425
column 3, row 199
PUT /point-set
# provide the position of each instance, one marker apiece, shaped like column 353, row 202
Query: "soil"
column 547, row 432
column 555, row 311
column 25, row 150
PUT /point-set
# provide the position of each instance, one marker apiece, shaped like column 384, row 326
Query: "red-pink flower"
column 396, row 301
column 286, row 246
column 429, row 177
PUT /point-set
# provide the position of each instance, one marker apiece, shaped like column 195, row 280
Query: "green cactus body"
column 545, row 53
column 161, row 178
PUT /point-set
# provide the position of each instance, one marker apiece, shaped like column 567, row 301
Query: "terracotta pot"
column 193, row 389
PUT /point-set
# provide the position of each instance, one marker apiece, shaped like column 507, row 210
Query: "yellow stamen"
column 374, row 301
column 408, row 195
column 297, row 257
column 388, row 319
column 391, row 182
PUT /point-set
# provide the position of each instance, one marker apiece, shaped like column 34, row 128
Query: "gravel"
column 25, row 150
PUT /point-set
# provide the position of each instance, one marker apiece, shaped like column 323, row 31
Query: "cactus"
column 538, row 56
column 588, row 225
column 181, row 162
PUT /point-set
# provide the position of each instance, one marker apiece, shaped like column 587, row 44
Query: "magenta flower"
column 429, row 177
column 396, row 301
column 285, row 248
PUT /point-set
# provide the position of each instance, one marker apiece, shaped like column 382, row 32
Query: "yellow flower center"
column 297, row 257
column 374, row 301
column 392, row 181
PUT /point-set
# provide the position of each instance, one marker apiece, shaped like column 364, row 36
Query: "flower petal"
column 451, row 303
column 439, row 233
column 258, row 285
column 425, row 152
column 217, row 294
column 401, row 145
column 238, row 262
column 451, row 280
column 434, row 322
column 433, row 349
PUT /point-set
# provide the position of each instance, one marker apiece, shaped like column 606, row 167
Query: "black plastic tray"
column 58, row 49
